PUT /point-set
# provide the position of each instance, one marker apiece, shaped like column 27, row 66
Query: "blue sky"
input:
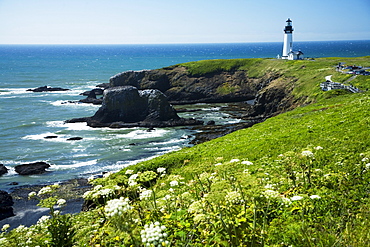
column 186, row 21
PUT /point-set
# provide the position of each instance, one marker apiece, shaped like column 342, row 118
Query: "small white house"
column 295, row 55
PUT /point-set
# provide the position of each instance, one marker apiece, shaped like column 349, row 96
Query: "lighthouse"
column 288, row 52
column 288, row 39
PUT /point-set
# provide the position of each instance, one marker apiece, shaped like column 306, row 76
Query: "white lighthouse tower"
column 288, row 39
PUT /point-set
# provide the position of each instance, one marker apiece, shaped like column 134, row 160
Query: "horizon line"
column 179, row 43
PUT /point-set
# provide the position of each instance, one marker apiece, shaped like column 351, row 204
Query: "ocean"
column 26, row 118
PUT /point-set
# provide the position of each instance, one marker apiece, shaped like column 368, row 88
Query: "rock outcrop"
column 47, row 89
column 6, row 203
column 3, row 169
column 32, row 168
column 182, row 88
column 270, row 93
column 126, row 106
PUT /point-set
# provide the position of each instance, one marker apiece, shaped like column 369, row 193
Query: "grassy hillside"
column 297, row 179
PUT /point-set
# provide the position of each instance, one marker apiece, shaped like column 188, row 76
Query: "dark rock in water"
column 74, row 138
column 47, row 89
column 50, row 137
column 211, row 122
column 32, row 168
column 126, row 107
column 3, row 169
column 95, row 91
column 6, row 203
column 13, row 183
column 103, row 85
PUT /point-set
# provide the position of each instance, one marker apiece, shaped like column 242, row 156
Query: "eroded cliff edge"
column 270, row 92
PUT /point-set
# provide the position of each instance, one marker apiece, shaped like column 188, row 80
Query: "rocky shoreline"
column 145, row 99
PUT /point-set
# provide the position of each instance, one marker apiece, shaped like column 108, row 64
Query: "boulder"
column 129, row 105
column 3, row 169
column 47, row 89
column 6, row 203
column 77, row 138
column 32, row 168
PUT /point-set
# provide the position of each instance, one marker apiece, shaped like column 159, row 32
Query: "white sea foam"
column 143, row 134
column 75, row 164
column 13, row 91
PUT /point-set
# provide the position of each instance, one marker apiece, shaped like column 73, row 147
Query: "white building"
column 288, row 52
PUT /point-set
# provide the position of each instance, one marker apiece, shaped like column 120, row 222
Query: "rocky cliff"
column 270, row 95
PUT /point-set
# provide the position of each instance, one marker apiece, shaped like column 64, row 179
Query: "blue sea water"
column 27, row 117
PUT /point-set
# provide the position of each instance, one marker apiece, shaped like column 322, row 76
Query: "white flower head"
column 43, row 219
column 270, row 194
column 307, row 153
column 246, row 162
column 161, row 170
column 234, row 160
column 296, row 198
column 61, row 202
column 146, row 194
column 153, row 234
column 315, row 197
column 32, row 194
column 129, row 172
column 218, row 164
column 318, row 148
column 174, row 183
column 117, row 207
column 5, row 227
column 45, row 190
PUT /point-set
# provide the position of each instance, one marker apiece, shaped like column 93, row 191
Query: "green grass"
column 306, row 182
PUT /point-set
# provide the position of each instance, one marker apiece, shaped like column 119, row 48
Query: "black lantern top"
column 288, row 28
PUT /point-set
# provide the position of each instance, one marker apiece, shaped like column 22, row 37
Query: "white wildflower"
column 286, row 201
column 32, row 194
column 146, row 194
column 365, row 160
column 153, row 234
column 218, row 164
column 270, row 194
column 43, row 219
column 315, row 197
column 117, row 207
column 307, row 153
column 367, row 166
column 105, row 192
column 174, row 183
column 61, row 202
column 129, row 172
column 246, row 162
column 5, row 227
column 234, row 197
column 161, row 170
column 318, row 148
column 45, row 190
column 234, row 160
column 296, row 198
column 270, row 186
column 132, row 180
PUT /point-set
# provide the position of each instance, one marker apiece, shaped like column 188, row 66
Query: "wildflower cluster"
column 98, row 192
column 153, row 234
column 117, row 207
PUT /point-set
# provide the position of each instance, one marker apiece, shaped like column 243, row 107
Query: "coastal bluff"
column 220, row 86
